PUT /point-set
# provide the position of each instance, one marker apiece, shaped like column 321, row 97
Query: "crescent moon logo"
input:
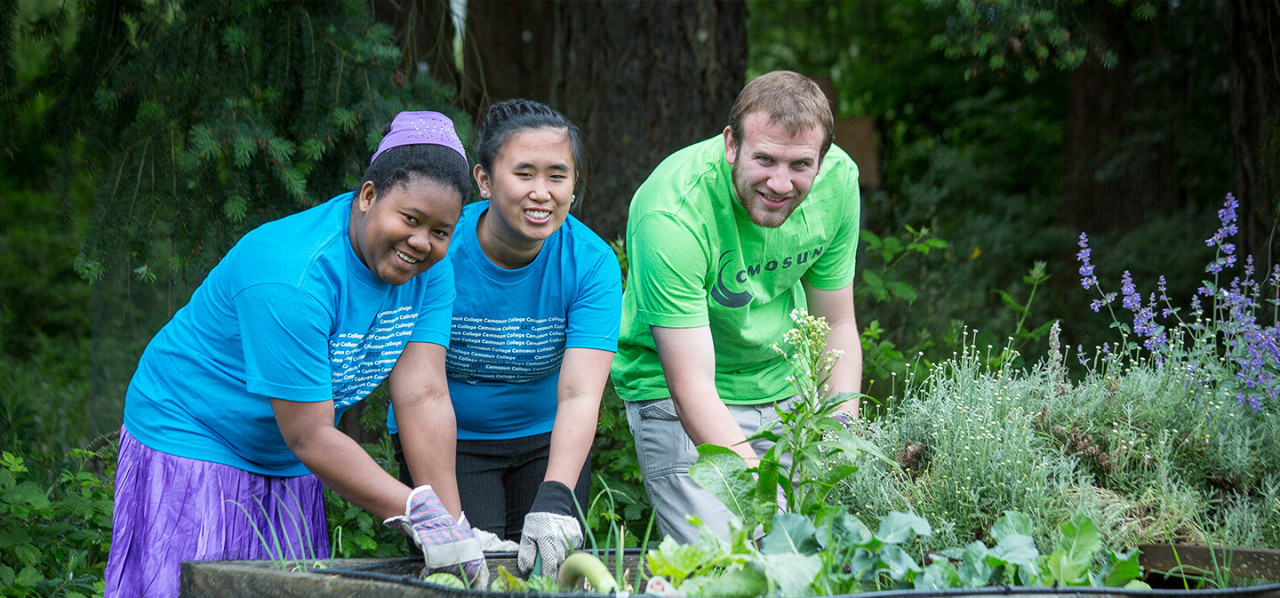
column 721, row 293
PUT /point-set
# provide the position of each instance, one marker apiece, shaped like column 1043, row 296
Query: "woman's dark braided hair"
column 506, row 118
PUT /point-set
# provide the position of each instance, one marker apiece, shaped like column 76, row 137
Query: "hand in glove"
column 447, row 545
column 550, row 530
column 490, row 542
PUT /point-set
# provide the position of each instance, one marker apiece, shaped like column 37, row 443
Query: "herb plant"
column 816, row 547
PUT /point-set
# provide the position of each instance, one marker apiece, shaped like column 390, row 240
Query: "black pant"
column 497, row 480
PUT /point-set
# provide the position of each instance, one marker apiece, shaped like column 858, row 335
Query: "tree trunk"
column 1109, row 184
column 1255, row 122
column 424, row 31
column 641, row 79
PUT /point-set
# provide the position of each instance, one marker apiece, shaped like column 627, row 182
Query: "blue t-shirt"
column 289, row 313
column 511, row 327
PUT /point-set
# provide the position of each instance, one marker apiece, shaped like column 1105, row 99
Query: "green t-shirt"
column 696, row 259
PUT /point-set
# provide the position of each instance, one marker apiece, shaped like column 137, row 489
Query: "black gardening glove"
column 550, row 530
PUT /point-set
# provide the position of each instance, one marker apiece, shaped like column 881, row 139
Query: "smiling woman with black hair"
column 229, row 420
column 534, row 331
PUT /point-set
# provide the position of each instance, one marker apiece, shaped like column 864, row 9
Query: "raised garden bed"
column 396, row 578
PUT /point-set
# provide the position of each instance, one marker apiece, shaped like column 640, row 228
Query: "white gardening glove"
column 550, row 530
column 490, row 542
column 447, row 544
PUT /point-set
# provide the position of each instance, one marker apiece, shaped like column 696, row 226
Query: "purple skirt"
column 171, row 509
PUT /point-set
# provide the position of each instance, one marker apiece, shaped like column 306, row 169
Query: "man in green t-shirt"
column 724, row 240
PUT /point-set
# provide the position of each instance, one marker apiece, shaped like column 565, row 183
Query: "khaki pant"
column 665, row 453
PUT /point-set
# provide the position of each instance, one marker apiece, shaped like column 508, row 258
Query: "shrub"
column 55, row 535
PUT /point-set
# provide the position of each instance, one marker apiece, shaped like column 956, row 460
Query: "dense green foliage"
column 977, row 154
column 223, row 114
column 54, row 528
column 139, row 139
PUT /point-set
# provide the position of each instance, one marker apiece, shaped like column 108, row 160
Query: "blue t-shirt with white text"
column 289, row 313
column 511, row 327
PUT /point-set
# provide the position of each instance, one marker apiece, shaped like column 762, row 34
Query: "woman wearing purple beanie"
column 229, row 421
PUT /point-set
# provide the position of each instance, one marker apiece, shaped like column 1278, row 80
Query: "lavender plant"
column 1169, row 435
column 1230, row 338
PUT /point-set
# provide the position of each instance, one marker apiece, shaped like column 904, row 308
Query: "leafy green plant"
column 839, row 554
column 355, row 532
column 814, row 547
column 54, row 539
column 881, row 281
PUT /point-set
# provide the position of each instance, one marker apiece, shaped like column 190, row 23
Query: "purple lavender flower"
column 1132, row 300
column 1087, row 279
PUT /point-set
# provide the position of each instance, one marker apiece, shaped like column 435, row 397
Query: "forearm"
column 343, row 465
column 846, row 376
column 571, row 437
column 430, row 449
column 707, row 420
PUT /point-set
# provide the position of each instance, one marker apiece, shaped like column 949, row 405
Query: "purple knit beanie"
column 421, row 128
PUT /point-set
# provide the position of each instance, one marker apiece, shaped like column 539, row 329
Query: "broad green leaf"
column 1079, row 540
column 1121, row 569
column 872, row 279
column 724, row 474
column 898, row 562
column 793, row 573
column 792, row 534
column 974, row 568
column 891, row 247
column 938, row 575
column 1063, row 570
column 28, row 577
column 898, row 527
column 1011, row 523
column 738, row 580
column 872, row 239
column 903, row 291
column 847, row 530
column 26, row 554
column 1015, row 549
column 863, row 564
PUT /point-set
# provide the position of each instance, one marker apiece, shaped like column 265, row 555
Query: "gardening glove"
column 490, row 542
column 550, row 530
column 447, row 545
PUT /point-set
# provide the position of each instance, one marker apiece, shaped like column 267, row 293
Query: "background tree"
column 201, row 120
column 1254, row 38
column 641, row 79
